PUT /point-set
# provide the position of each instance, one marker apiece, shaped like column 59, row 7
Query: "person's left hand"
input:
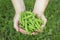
column 16, row 24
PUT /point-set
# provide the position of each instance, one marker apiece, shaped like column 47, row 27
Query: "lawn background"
column 51, row 31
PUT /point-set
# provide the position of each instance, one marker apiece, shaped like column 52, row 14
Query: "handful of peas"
column 29, row 22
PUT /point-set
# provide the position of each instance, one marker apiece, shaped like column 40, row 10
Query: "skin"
column 39, row 8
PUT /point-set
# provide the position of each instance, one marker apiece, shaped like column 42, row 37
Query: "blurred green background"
column 51, row 31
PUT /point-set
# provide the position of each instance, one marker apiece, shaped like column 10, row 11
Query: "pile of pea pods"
column 30, row 22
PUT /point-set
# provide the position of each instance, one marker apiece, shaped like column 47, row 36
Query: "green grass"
column 51, row 31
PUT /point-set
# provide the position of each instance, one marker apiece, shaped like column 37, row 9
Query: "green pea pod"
column 27, row 12
column 37, row 27
column 27, row 17
column 26, row 27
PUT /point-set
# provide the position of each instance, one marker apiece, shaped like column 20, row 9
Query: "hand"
column 39, row 9
column 41, row 15
column 16, row 22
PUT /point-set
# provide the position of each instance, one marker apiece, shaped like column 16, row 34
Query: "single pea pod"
column 38, row 28
column 27, row 12
column 27, row 17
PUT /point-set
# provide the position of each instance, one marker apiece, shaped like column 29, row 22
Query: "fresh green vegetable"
column 30, row 22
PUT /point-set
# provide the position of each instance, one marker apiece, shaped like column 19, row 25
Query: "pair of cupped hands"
column 38, row 10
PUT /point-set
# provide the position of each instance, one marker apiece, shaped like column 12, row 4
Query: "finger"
column 44, row 20
column 35, row 33
column 16, row 25
column 37, row 30
column 22, row 31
